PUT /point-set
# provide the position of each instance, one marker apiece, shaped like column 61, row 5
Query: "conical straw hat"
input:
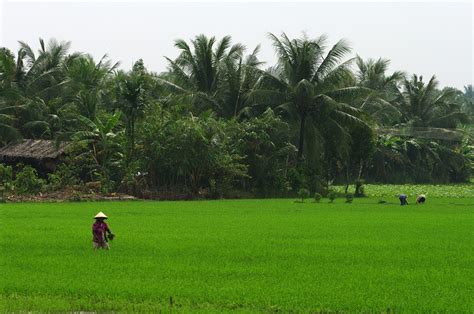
column 101, row 215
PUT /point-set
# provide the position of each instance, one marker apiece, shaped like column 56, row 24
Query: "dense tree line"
column 220, row 121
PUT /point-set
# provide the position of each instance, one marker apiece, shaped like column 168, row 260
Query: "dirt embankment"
column 69, row 196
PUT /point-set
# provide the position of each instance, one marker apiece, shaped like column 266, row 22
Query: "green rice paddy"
column 240, row 255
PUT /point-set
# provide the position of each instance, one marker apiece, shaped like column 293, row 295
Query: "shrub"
column 62, row 177
column 303, row 194
column 5, row 173
column 317, row 197
column 349, row 198
column 332, row 196
column 205, row 148
column 2, row 194
column 296, row 178
column 6, row 178
column 27, row 181
column 54, row 182
column 132, row 183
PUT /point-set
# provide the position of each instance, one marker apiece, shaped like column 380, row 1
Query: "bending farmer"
column 421, row 199
column 403, row 199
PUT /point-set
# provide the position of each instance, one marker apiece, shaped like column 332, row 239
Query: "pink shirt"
column 99, row 228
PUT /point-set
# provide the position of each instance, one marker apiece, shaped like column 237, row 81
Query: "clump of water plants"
column 317, row 197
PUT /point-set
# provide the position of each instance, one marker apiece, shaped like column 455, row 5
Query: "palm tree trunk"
column 346, row 190
column 361, row 167
column 132, row 138
column 235, row 107
column 130, row 134
column 301, row 139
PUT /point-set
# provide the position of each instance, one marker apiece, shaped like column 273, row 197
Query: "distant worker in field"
column 99, row 232
column 403, row 199
column 421, row 199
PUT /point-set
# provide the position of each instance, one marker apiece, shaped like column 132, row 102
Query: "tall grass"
column 246, row 255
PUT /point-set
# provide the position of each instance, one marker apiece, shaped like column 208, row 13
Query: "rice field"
column 240, row 256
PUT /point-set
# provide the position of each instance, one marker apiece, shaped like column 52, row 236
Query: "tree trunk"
column 132, row 138
column 301, row 139
column 361, row 166
column 347, row 180
column 130, row 133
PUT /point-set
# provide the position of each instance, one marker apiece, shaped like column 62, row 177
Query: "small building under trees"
column 44, row 155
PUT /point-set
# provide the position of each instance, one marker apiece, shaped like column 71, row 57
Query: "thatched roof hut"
column 42, row 154
column 33, row 149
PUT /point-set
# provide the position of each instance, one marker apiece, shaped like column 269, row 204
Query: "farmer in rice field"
column 421, row 199
column 99, row 232
column 403, row 199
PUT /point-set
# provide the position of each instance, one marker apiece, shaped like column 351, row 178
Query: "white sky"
column 424, row 37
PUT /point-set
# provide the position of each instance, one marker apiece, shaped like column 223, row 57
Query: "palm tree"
column 423, row 105
column 19, row 113
column 131, row 100
column 239, row 79
column 33, row 87
column 468, row 103
column 469, row 91
column 311, row 88
column 198, row 71
column 8, row 93
column 87, row 83
column 372, row 74
column 43, row 75
column 8, row 132
column 8, row 72
column 379, row 104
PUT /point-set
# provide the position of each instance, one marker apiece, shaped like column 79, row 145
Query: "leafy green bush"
column 27, row 181
column 62, row 177
column 2, row 194
column 331, row 196
column 188, row 152
column 133, row 182
column 265, row 143
column 317, row 197
column 6, row 173
column 6, row 178
column 303, row 194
